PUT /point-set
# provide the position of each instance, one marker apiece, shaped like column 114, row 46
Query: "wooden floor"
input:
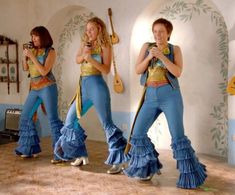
column 37, row 176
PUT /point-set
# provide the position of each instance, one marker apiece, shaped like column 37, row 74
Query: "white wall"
column 14, row 24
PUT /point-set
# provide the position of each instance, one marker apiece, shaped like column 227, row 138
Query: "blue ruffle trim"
column 144, row 158
column 113, row 134
column 28, row 141
column 56, row 126
column 117, row 157
column 142, row 172
column 71, row 143
column 192, row 172
column 117, row 144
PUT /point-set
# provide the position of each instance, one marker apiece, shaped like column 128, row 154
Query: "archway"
column 201, row 32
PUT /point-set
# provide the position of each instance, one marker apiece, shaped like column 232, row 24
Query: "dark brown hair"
column 45, row 37
column 168, row 25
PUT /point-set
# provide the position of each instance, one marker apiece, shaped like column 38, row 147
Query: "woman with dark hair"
column 94, row 55
column 39, row 60
column 160, row 63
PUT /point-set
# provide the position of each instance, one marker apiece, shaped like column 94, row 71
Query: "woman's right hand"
column 143, row 60
column 28, row 53
column 83, row 53
column 24, row 53
column 152, row 53
column 24, row 61
column 87, row 50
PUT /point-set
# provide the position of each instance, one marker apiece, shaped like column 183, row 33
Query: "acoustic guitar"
column 231, row 86
column 114, row 36
column 117, row 82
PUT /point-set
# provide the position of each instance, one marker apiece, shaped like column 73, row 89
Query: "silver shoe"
column 80, row 161
column 148, row 178
column 55, row 162
column 159, row 172
column 115, row 169
column 28, row 156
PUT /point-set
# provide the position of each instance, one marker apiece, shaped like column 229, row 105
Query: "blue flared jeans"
column 157, row 100
column 29, row 140
column 144, row 160
column 94, row 91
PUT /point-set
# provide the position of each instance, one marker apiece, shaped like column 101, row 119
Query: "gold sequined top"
column 157, row 71
column 39, row 54
column 87, row 68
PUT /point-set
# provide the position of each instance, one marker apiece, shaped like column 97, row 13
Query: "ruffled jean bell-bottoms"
column 29, row 142
column 144, row 160
column 71, row 144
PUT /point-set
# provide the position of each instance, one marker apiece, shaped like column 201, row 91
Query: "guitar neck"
column 111, row 22
column 114, row 66
column 110, row 19
column 114, row 63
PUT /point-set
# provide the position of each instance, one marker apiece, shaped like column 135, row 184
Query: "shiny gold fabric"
column 87, row 69
column 32, row 69
column 157, row 74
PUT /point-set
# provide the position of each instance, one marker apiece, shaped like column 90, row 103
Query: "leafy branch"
column 185, row 11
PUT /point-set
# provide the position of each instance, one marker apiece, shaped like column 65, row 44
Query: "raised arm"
column 80, row 54
column 24, row 64
column 103, row 67
column 175, row 67
column 142, row 61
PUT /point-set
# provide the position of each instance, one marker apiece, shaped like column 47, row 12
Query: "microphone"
column 88, row 44
column 154, row 59
column 28, row 45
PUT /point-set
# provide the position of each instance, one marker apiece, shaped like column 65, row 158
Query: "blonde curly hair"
column 103, row 38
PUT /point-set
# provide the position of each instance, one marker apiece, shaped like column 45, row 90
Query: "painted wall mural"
column 74, row 25
column 185, row 11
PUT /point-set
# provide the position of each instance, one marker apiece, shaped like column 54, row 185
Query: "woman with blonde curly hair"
column 94, row 55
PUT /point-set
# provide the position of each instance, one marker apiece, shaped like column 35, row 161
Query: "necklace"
column 165, row 50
